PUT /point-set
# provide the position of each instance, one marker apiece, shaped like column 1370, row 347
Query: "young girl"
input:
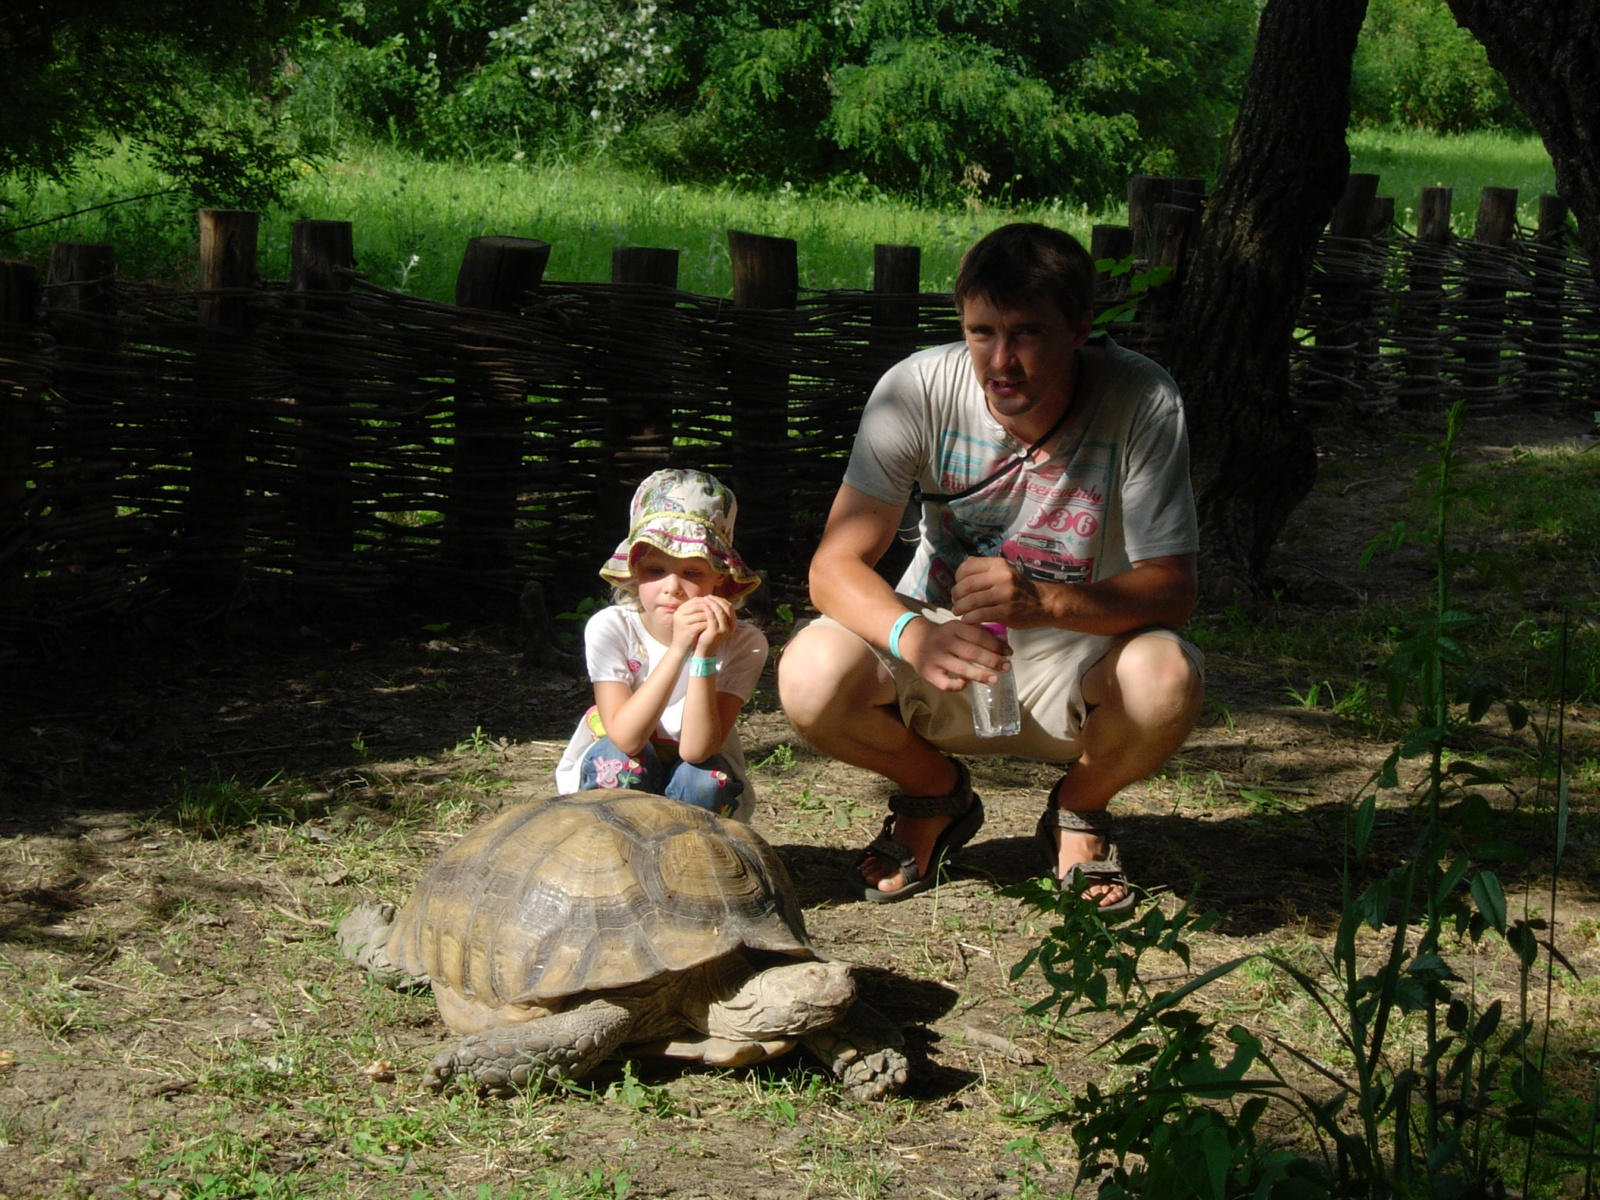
column 671, row 663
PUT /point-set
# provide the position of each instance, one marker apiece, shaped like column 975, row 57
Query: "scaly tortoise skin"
column 575, row 927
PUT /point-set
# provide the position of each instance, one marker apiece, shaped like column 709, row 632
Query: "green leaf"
column 1389, row 773
column 1366, row 816
column 1490, row 899
column 1487, row 1023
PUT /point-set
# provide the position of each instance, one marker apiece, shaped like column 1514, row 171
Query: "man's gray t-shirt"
column 1114, row 490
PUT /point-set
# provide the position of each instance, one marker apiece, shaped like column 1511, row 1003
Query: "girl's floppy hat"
column 687, row 514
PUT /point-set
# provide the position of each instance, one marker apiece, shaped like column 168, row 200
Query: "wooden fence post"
column 496, row 275
column 1171, row 228
column 1382, row 217
column 1420, row 308
column 1333, row 309
column 896, row 292
column 19, row 414
column 766, row 290
column 211, row 558
column 639, row 418
column 1144, row 193
column 321, row 253
column 1489, row 275
column 896, row 320
column 81, row 300
column 1543, row 352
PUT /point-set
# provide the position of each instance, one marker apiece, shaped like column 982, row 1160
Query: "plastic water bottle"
column 995, row 712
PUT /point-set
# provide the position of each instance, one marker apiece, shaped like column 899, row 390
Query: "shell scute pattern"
column 595, row 890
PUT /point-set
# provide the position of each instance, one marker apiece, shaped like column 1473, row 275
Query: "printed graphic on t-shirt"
column 1049, row 521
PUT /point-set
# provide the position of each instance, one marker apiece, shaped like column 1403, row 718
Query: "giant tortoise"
column 577, row 927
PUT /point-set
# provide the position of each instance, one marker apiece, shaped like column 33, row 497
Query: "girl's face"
column 665, row 582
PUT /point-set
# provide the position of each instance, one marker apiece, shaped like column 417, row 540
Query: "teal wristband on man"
column 702, row 666
column 896, row 630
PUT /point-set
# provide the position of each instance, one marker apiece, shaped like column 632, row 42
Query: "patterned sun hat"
column 687, row 514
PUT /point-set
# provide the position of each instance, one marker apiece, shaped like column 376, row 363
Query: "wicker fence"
column 333, row 443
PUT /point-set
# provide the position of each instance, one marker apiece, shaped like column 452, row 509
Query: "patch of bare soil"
column 171, row 995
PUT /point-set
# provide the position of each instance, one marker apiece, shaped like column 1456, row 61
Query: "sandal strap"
column 953, row 803
column 1098, row 871
column 1097, row 821
column 890, row 848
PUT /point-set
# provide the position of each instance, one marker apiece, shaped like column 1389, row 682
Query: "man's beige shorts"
column 1049, row 665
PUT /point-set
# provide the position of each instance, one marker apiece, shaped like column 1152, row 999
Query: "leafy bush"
column 187, row 83
column 1415, row 67
column 1030, row 98
column 924, row 115
column 1436, row 1090
column 430, row 77
column 1026, row 97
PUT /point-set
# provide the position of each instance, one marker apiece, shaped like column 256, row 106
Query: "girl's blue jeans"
column 710, row 784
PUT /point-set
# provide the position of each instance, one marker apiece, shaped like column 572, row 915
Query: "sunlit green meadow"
column 1406, row 161
column 412, row 218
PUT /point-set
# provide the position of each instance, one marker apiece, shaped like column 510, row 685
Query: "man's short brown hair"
column 1027, row 261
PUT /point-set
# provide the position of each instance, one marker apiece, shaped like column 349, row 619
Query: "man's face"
column 1022, row 357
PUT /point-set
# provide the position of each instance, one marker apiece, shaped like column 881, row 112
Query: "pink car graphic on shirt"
column 1045, row 559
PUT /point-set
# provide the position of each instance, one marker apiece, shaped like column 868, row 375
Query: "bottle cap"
column 998, row 630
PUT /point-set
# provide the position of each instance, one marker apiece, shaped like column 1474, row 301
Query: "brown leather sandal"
column 1095, row 871
column 960, row 802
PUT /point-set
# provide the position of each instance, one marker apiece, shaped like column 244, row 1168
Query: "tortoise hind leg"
column 863, row 1052
column 565, row 1046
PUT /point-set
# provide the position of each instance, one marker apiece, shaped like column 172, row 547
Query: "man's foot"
column 1075, row 848
column 922, row 830
column 1079, row 843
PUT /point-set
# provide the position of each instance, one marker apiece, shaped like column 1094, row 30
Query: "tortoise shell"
column 590, row 891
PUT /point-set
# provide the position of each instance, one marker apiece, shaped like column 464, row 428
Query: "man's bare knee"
column 1162, row 683
column 1151, row 677
column 824, row 672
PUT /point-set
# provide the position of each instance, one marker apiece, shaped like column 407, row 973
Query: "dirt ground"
column 171, row 995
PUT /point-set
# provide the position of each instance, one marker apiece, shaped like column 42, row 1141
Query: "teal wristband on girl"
column 702, row 666
column 896, row 630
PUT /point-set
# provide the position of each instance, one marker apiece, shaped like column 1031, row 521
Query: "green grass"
column 1406, row 161
column 412, row 218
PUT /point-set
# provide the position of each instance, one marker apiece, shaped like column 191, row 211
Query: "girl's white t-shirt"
column 620, row 650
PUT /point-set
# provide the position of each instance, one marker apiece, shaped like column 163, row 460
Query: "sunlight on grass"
column 1406, row 161
column 412, row 219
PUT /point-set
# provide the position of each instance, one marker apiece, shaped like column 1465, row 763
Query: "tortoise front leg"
column 502, row 1060
column 864, row 1053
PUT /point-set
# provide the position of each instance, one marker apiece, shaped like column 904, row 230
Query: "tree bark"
column 1548, row 50
column 1254, row 458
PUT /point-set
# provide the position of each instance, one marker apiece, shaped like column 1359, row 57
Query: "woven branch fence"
column 329, row 443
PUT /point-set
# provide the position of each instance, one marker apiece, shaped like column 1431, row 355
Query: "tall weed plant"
column 1437, row 1090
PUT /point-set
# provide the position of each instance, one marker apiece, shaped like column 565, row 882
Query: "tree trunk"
column 1548, row 51
column 1254, row 458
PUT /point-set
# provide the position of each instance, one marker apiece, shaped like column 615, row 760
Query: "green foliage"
column 1431, row 649
column 1082, row 956
column 430, row 78
column 1442, row 1091
column 220, row 804
column 192, row 83
column 598, row 56
column 923, row 115
column 1414, row 66
column 942, row 99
